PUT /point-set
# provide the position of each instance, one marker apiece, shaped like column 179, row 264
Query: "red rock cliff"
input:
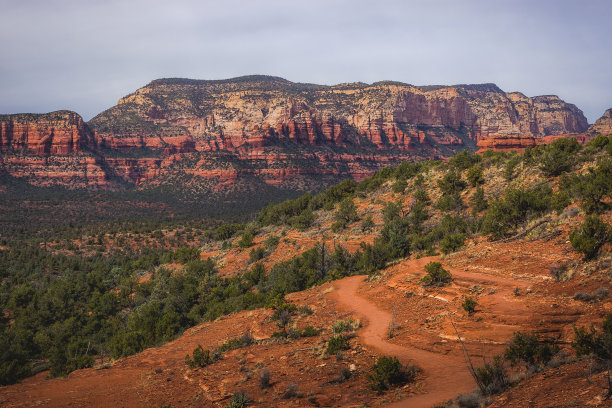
column 263, row 111
column 214, row 135
column 56, row 133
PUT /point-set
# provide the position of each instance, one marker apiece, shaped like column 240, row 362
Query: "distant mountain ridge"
column 216, row 135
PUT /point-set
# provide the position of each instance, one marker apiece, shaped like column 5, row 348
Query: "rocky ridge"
column 289, row 135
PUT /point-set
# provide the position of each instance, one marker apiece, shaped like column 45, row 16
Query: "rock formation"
column 56, row 133
column 186, row 115
column 188, row 132
column 603, row 125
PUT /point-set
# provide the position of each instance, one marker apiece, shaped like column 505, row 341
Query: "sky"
column 84, row 55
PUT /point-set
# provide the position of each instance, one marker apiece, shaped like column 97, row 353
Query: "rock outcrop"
column 56, row 133
column 217, row 134
column 603, row 125
column 519, row 143
column 507, row 142
column 186, row 115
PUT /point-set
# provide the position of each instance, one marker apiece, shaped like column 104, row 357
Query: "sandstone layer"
column 56, row 133
column 213, row 135
column 185, row 115
column 603, row 125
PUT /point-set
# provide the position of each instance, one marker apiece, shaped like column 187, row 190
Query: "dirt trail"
column 446, row 375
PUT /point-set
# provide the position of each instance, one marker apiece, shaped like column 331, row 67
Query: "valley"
column 313, row 291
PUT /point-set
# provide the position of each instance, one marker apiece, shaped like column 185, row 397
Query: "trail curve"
column 446, row 376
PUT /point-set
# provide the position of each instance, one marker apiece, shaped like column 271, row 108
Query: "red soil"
column 446, row 375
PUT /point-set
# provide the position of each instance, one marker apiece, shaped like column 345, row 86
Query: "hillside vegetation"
column 71, row 301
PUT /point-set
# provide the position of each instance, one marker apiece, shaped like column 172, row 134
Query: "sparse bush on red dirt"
column 436, row 275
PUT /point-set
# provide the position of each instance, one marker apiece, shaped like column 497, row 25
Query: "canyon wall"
column 181, row 132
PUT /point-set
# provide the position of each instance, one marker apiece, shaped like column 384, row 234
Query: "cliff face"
column 213, row 135
column 603, row 125
column 182, row 115
column 49, row 149
column 55, row 133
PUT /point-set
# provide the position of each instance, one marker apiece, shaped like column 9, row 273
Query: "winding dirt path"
column 446, row 375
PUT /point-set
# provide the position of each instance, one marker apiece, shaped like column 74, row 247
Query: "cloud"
column 84, row 55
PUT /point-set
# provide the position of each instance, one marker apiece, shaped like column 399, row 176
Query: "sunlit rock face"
column 275, row 130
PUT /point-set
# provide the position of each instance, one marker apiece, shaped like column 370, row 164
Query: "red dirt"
column 445, row 375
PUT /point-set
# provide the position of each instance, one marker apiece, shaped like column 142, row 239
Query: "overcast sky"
column 83, row 55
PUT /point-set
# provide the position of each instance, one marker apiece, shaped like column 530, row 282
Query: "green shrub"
column 338, row 226
column 346, row 211
column 225, row 231
column 343, row 263
column 337, row 344
column 422, row 242
column 451, row 242
column 491, row 377
column 334, row 194
column 257, row 254
column 391, row 211
column 388, row 372
column 285, row 211
column 309, row 331
column 450, row 225
column 399, row 186
column 127, row 343
column 469, row 305
column 407, row 170
column 509, row 169
column 271, row 242
column 559, row 156
column 593, row 187
column 200, row 358
column 246, row 240
column 599, row 142
column 529, row 349
column 492, row 157
column 239, row 400
column 449, row 202
column 14, row 364
column 421, row 196
column 243, row 341
column 418, row 215
column 464, row 160
column 451, row 183
column 419, row 181
column 373, row 182
column 305, row 310
column 346, row 325
column 394, row 235
column 594, row 343
column 516, row 207
column 478, row 201
column 302, row 221
column 474, row 176
column 559, row 201
column 592, row 235
column 367, row 224
column 436, row 275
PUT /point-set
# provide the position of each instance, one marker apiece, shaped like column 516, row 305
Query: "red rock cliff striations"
column 272, row 129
